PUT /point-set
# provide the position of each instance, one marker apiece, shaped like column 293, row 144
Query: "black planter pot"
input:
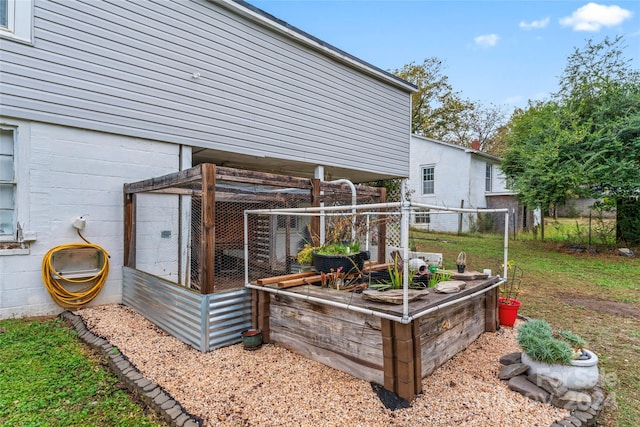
column 350, row 264
column 461, row 269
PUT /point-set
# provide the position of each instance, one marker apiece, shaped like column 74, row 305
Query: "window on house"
column 488, row 179
column 7, row 183
column 4, row 14
column 422, row 217
column 428, row 180
column 16, row 19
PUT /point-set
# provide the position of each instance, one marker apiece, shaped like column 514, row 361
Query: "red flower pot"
column 508, row 311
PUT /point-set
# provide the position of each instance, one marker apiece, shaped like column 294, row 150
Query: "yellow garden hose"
column 54, row 280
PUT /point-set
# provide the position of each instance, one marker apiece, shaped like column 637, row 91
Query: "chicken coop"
column 184, row 244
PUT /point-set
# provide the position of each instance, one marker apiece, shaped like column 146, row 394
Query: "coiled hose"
column 92, row 285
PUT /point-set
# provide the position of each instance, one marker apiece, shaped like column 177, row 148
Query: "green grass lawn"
column 47, row 378
column 596, row 295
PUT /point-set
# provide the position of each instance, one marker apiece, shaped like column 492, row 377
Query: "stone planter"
column 581, row 374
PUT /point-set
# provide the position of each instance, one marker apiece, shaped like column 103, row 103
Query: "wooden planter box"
column 393, row 354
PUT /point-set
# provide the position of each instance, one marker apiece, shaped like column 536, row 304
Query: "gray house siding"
column 128, row 68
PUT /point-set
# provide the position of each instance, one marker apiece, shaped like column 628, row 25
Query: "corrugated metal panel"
column 127, row 68
column 205, row 322
column 173, row 308
column 229, row 315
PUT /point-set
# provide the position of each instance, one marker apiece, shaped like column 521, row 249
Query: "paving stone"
column 168, row 404
column 526, row 388
column 116, row 357
column 563, row 422
column 574, row 420
column 191, row 423
column 149, row 387
column 511, row 358
column 174, row 413
column 572, row 400
column 142, row 382
column 552, row 385
column 513, row 370
column 160, row 398
column 597, row 400
column 152, row 394
column 123, row 365
column 582, row 416
column 181, row 419
column 134, row 375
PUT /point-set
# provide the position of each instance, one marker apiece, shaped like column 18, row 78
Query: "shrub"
column 538, row 341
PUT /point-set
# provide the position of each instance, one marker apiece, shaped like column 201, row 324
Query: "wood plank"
column 375, row 266
column 276, row 279
column 297, row 282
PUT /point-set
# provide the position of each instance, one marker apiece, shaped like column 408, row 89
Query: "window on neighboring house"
column 16, row 19
column 7, row 183
column 488, row 179
column 422, row 217
column 428, row 180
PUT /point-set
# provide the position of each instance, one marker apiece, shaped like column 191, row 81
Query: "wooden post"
column 402, row 362
column 129, row 230
column 491, row 310
column 208, row 241
column 260, row 310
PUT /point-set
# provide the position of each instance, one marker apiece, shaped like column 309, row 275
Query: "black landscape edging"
column 148, row 392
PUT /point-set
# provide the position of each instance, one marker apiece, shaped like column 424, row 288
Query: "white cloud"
column 593, row 16
column 487, row 40
column 534, row 25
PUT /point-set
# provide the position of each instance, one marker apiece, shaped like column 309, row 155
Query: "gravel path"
column 275, row 387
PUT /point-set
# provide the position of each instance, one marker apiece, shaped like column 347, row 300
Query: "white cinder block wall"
column 64, row 173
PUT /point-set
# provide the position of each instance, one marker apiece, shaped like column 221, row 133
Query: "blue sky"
column 495, row 52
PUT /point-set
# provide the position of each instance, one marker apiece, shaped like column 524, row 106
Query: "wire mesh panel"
column 188, row 227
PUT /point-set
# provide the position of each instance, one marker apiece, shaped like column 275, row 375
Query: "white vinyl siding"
column 128, row 68
column 7, row 184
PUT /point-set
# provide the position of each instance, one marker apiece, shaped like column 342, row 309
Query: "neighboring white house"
column 98, row 94
column 450, row 175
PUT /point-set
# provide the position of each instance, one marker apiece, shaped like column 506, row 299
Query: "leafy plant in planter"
column 437, row 277
column 340, row 248
column 558, row 354
column 461, row 261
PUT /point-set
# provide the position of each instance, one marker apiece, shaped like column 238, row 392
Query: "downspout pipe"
column 353, row 203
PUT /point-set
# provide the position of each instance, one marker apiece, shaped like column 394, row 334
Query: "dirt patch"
column 604, row 306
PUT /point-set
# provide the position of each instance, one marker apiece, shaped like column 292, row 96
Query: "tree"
column 586, row 140
column 436, row 108
column 480, row 123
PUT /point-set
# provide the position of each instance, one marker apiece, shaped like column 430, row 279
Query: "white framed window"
column 422, row 217
column 428, row 175
column 16, row 19
column 488, row 178
column 7, row 183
